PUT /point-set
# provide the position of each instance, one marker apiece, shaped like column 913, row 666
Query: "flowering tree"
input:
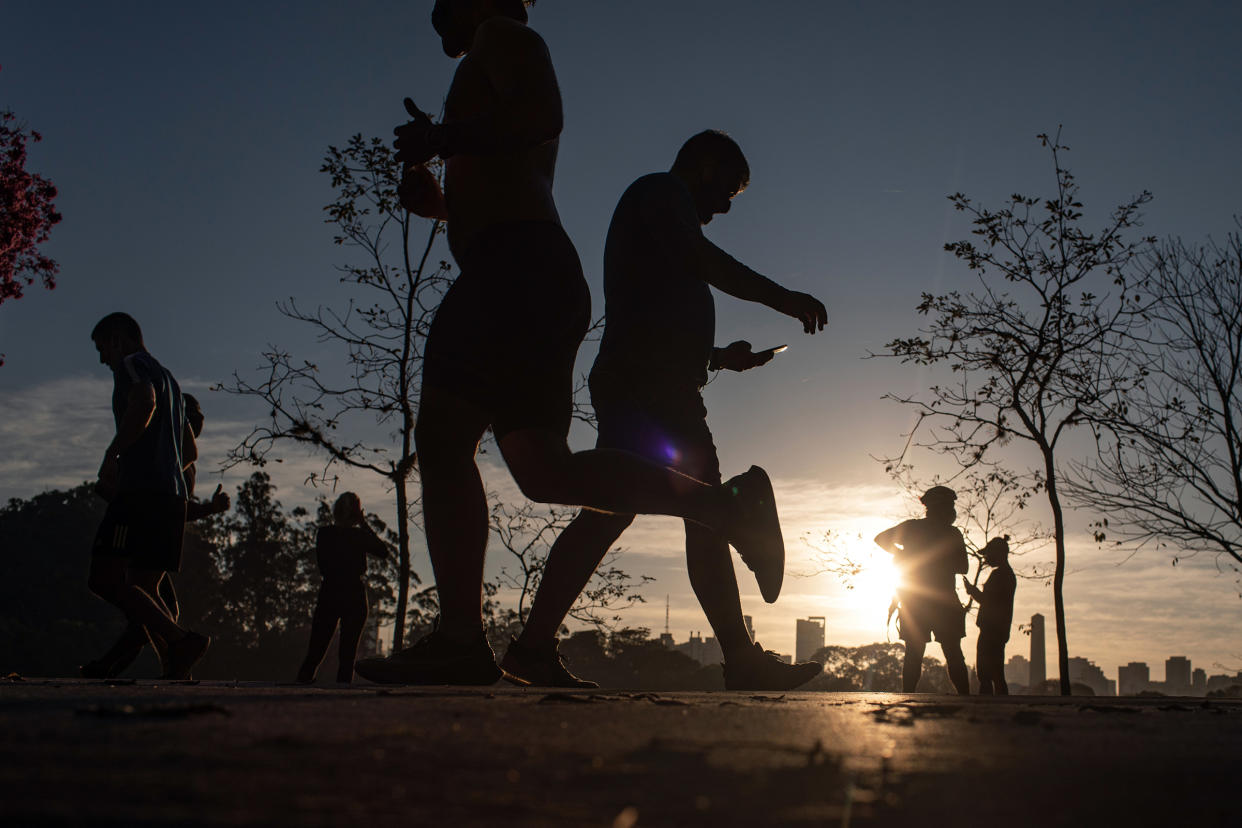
column 26, row 213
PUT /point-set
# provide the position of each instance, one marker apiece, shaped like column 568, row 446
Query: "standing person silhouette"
column 341, row 551
column 141, row 475
column 134, row 638
column 646, row 388
column 995, row 617
column 929, row 553
column 501, row 350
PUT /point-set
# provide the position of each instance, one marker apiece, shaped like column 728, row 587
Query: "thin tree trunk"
column 1058, row 578
column 403, row 565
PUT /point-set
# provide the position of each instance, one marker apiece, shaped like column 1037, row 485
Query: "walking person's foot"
column 183, row 654
column 759, row 669
column 539, row 667
column 435, row 659
column 95, row 670
column 754, row 530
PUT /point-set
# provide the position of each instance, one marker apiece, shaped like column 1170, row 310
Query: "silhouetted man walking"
column 929, row 553
column 995, row 617
column 501, row 350
column 134, row 638
column 140, row 536
column 646, row 390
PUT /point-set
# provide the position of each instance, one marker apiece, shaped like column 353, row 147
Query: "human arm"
column 890, row 540
column 139, row 408
column 738, row 356
column 420, row 193
column 972, row 590
column 526, row 110
column 219, row 503
column 189, row 447
column 727, row 274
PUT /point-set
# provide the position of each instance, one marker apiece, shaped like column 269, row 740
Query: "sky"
column 186, row 142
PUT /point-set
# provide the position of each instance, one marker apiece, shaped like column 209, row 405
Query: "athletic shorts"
column 665, row 425
column 506, row 334
column 922, row 616
column 144, row 529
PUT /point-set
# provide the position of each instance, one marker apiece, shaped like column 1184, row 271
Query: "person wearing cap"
column 995, row 617
column 929, row 553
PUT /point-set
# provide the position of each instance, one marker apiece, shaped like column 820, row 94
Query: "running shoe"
column 761, row 669
column 754, row 529
column 183, row 655
column 539, row 667
column 434, row 659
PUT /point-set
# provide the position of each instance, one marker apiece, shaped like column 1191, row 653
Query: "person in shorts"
column 501, row 350
column 128, row 647
column 995, row 617
column 646, row 388
column 141, row 476
column 929, row 553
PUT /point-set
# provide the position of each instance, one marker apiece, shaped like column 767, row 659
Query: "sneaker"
column 183, row 655
column 762, row 669
column 434, row 659
column 754, row 530
column 539, row 667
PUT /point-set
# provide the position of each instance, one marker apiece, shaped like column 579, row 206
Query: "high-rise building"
column 1083, row 671
column 705, row 651
column 1018, row 670
column 810, row 637
column 1133, row 679
column 1177, row 674
column 1198, row 681
column 750, row 626
column 1039, row 667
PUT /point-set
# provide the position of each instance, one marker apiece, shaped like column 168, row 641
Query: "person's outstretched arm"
column 725, row 273
column 890, row 539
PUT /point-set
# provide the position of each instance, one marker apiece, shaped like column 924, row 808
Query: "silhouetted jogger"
column 929, row 553
column 646, row 390
column 501, row 350
column 141, row 476
column 134, row 638
column 341, row 551
column 995, row 617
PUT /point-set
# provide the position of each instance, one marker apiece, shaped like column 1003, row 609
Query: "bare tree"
column 363, row 416
column 526, row 533
column 1031, row 353
column 1169, row 465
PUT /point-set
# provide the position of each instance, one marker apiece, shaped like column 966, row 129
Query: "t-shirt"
column 996, row 608
column 660, row 318
column 152, row 465
column 341, row 551
column 932, row 554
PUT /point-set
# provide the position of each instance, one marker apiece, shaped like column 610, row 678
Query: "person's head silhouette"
column 996, row 551
column 347, row 511
column 116, row 336
column 939, row 501
column 714, row 169
column 456, row 20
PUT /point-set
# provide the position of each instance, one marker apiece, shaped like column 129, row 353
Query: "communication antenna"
column 666, row 613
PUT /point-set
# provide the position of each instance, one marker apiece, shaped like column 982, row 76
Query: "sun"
column 877, row 578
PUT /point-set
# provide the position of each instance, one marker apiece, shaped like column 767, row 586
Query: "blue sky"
column 186, row 141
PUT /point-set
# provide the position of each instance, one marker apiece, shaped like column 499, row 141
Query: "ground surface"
column 149, row 753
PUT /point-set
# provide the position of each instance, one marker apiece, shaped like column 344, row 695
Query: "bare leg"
column 912, row 667
column 955, row 662
column 572, row 560
column 136, row 600
column 606, row 480
column 454, row 507
column 710, row 567
column 353, row 620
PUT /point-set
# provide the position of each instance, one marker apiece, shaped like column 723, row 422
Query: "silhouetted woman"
column 341, row 550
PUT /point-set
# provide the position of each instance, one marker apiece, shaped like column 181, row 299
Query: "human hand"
column 412, row 142
column 738, row 356
column 220, row 500
column 419, row 192
column 806, row 309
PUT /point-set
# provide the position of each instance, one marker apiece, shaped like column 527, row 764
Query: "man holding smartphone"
column 646, row 385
